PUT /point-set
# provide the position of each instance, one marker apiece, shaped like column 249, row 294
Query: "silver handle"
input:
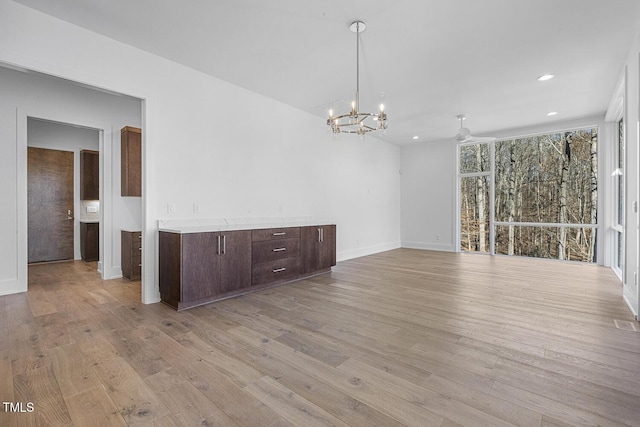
column 278, row 270
column 218, row 253
column 279, row 249
column 69, row 215
column 224, row 244
column 140, row 236
column 281, row 233
column 319, row 236
column 139, row 249
column 139, row 265
column 322, row 234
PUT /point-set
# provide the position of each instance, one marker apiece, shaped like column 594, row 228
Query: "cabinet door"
column 131, row 162
column 235, row 260
column 327, row 249
column 200, row 266
column 309, row 249
column 317, row 248
column 89, row 241
column 89, row 175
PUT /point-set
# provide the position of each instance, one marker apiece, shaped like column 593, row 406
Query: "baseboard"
column 429, row 246
column 627, row 297
column 111, row 273
column 369, row 250
column 11, row 286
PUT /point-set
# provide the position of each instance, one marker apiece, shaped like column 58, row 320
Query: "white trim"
column 546, row 224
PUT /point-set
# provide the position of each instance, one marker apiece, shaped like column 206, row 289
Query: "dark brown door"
column 50, row 204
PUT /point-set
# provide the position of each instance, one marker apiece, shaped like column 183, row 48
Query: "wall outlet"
column 196, row 208
column 171, row 208
column 437, row 237
column 92, row 209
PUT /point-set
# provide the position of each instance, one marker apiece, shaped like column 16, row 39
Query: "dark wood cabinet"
column 89, row 175
column 131, row 254
column 130, row 162
column 275, row 255
column 317, row 248
column 196, row 268
column 90, row 241
column 235, row 262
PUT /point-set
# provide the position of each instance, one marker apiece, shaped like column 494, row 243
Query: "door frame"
column 22, row 114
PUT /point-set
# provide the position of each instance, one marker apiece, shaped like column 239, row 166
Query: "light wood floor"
column 404, row 337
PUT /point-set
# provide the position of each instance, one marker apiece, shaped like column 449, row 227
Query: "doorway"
column 56, row 209
column 50, row 204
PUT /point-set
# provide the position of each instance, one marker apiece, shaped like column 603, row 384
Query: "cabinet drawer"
column 270, row 250
column 274, row 271
column 275, row 233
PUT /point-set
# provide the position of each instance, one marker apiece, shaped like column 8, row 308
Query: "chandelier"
column 356, row 121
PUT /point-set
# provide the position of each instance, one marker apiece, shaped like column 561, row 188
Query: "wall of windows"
column 532, row 196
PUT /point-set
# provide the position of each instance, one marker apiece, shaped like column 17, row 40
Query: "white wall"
column 429, row 196
column 235, row 153
column 56, row 136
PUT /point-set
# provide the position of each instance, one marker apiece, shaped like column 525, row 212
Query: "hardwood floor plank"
column 435, row 402
column 73, row 370
column 547, row 406
column 342, row 405
column 186, row 402
column 39, row 387
column 133, row 398
column 6, row 389
column 218, row 388
column 387, row 403
column 94, row 407
column 291, row 406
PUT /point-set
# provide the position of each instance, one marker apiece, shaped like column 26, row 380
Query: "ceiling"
column 432, row 59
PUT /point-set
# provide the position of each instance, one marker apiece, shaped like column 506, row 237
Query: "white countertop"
column 204, row 226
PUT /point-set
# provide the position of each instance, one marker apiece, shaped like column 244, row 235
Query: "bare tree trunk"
column 512, row 198
column 482, row 238
column 480, row 192
column 594, row 194
column 562, row 214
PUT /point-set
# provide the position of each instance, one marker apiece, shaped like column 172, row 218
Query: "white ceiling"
column 432, row 59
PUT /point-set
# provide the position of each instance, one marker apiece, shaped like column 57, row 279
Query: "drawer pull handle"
column 139, row 249
column 278, row 270
column 140, row 237
column 282, row 233
column 139, row 265
column 279, row 249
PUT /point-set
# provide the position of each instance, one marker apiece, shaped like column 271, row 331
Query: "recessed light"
column 552, row 113
column 416, row 137
column 545, row 77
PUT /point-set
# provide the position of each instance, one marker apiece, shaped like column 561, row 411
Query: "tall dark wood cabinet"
column 130, row 162
column 198, row 267
column 131, row 254
column 89, row 241
column 89, row 175
column 317, row 248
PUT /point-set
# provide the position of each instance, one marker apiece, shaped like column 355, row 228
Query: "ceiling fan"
column 464, row 134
